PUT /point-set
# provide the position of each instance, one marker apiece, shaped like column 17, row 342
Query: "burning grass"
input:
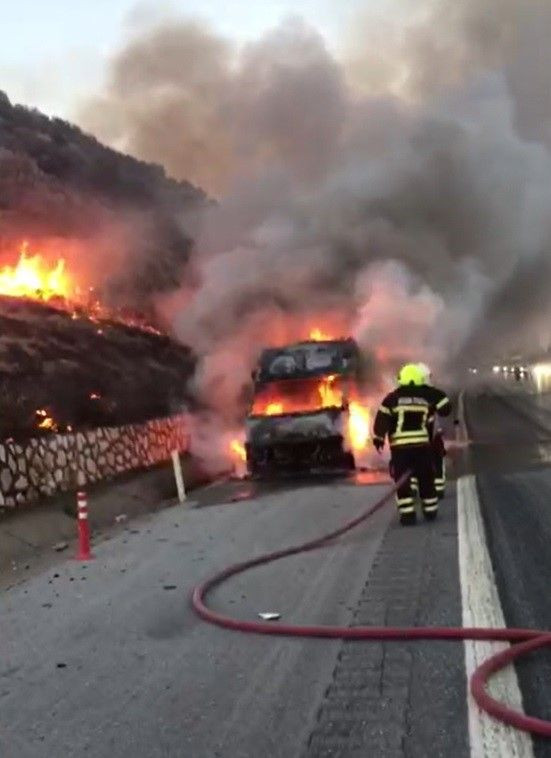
column 54, row 279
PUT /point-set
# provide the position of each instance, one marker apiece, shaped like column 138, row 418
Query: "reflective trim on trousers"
column 430, row 508
column 430, row 501
column 406, row 509
column 404, row 501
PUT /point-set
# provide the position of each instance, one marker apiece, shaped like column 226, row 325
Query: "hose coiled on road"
column 525, row 640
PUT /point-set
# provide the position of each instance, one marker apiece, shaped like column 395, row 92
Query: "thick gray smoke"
column 401, row 193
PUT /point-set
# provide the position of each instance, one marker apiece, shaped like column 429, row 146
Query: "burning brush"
column 34, row 278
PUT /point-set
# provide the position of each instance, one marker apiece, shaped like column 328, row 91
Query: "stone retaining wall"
column 46, row 465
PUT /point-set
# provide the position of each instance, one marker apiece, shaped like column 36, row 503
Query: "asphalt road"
column 511, row 429
column 108, row 660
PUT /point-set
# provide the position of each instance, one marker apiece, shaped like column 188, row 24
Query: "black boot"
column 408, row 519
column 430, row 515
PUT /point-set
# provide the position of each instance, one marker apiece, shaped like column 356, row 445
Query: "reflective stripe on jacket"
column 406, row 415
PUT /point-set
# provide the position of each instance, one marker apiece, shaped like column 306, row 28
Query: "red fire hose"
column 527, row 640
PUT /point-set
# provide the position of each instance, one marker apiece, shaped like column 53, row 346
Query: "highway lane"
column 142, row 675
column 510, row 426
column 109, row 660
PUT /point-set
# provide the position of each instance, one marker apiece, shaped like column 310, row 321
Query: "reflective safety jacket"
column 407, row 415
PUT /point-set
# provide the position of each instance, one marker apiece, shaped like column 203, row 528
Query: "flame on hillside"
column 45, row 421
column 34, row 277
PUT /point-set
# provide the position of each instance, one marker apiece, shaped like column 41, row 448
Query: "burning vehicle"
column 306, row 412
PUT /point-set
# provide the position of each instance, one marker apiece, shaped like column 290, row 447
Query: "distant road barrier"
column 62, row 462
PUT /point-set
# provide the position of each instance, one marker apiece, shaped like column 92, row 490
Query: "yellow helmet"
column 410, row 374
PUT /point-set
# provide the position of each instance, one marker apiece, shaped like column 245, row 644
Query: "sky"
column 54, row 53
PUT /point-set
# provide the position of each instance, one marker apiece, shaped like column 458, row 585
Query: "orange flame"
column 358, row 426
column 238, row 449
column 318, row 336
column 330, row 397
column 303, row 396
column 273, row 409
column 45, row 421
column 33, row 277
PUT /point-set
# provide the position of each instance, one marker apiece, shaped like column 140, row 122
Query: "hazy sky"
column 54, row 51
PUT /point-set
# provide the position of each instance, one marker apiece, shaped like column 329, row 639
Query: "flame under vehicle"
column 306, row 412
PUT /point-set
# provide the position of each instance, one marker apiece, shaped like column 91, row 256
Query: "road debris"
column 60, row 547
column 269, row 616
column 169, row 587
column 121, row 518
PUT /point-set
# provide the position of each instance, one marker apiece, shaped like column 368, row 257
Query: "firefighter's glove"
column 378, row 444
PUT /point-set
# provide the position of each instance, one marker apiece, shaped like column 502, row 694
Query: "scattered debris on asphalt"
column 239, row 496
column 61, row 546
column 169, row 587
column 121, row 518
column 269, row 616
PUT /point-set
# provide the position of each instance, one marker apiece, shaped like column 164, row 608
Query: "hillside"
column 82, row 374
column 61, row 189
column 56, row 181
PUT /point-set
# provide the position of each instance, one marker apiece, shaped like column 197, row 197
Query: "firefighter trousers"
column 419, row 460
column 440, row 474
column 439, row 462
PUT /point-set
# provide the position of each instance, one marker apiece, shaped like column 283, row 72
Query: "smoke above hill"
column 398, row 190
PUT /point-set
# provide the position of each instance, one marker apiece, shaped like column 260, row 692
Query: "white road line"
column 482, row 607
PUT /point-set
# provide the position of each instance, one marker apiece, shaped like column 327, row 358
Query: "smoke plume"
column 399, row 192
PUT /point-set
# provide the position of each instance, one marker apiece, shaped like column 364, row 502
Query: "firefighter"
column 442, row 403
column 404, row 416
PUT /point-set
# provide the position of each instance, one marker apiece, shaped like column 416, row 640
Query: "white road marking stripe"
column 482, row 607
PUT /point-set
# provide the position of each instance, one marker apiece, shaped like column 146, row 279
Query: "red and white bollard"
column 84, row 553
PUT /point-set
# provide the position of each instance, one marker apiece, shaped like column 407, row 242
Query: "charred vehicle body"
column 305, row 412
